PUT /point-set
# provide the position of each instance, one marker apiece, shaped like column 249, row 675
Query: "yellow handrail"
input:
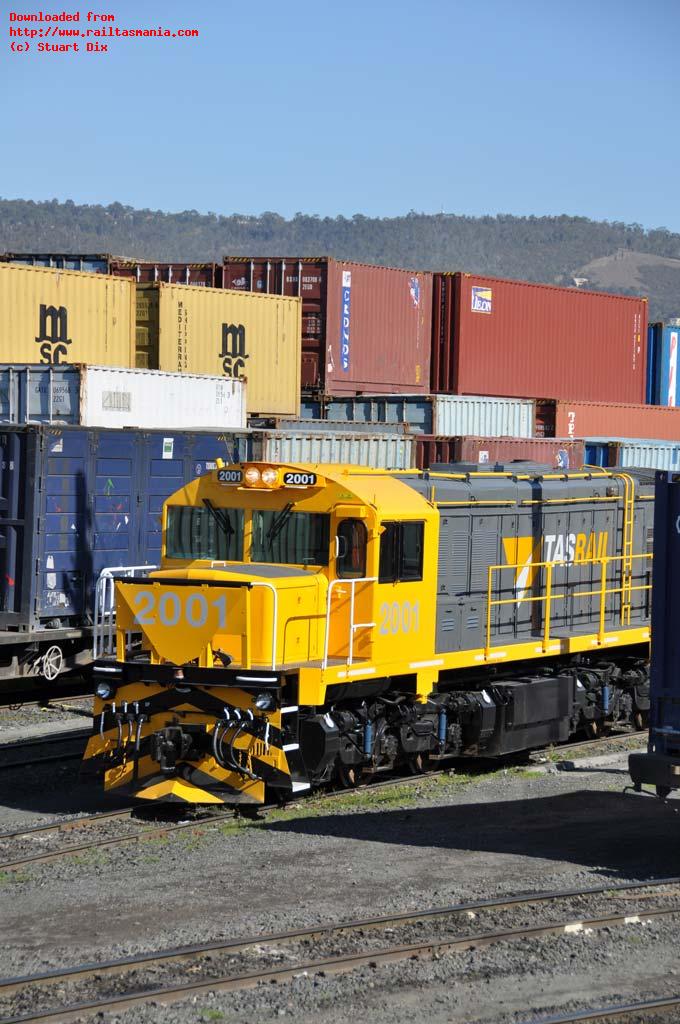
column 547, row 597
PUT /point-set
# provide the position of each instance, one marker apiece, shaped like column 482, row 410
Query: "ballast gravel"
column 506, row 833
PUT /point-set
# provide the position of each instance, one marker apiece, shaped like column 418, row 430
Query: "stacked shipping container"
column 364, row 328
column 498, row 337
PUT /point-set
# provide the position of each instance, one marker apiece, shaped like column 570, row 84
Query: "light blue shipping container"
column 631, row 453
column 663, row 341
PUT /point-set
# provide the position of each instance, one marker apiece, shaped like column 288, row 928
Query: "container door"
column 17, row 465
column 114, row 533
column 65, row 553
column 163, row 470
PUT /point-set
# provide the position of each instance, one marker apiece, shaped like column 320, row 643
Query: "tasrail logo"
column 526, row 553
column 53, row 334
column 233, row 352
column 482, row 299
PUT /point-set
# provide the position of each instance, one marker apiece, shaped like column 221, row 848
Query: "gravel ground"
column 400, row 849
column 33, row 720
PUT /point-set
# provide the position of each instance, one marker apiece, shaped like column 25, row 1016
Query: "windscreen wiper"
column 222, row 518
column 278, row 523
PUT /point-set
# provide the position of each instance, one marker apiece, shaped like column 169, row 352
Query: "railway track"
column 634, row 1011
column 305, row 953
column 71, row 745
column 151, row 832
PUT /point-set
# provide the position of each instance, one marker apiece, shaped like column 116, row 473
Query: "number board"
column 229, row 476
column 299, row 479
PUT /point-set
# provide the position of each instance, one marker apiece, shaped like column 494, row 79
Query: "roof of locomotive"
column 456, row 483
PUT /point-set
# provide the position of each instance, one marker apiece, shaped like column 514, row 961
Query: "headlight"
column 265, row 701
column 252, row 476
column 104, row 690
column 270, row 477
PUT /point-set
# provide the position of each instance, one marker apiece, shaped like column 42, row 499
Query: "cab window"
column 401, row 552
column 293, row 538
column 206, row 533
column 350, row 562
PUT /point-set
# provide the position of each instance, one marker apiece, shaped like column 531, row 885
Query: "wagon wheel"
column 349, row 775
column 52, row 663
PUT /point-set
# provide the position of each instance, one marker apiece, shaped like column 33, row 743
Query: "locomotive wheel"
column 417, row 763
column 592, row 729
column 349, row 776
column 641, row 719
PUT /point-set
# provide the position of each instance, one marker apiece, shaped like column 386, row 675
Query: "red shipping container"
column 207, row 275
column 515, row 338
column 559, row 453
column 595, row 419
column 364, row 328
column 142, row 271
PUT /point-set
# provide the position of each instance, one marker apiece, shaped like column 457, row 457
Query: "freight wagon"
column 516, row 338
column 364, row 328
column 63, row 316
column 208, row 275
column 75, row 501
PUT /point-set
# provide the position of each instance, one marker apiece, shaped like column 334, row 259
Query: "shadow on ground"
column 617, row 833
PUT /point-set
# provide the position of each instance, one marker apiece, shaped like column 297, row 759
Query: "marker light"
column 270, row 477
column 264, row 701
column 252, row 476
column 104, row 690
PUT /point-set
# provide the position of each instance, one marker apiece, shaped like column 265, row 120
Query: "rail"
column 105, row 606
column 547, row 597
column 353, row 626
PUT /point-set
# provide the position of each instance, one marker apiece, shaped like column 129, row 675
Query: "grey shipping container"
column 445, row 415
column 382, row 451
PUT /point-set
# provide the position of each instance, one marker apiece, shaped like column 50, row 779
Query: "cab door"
column 402, row 615
column 351, row 599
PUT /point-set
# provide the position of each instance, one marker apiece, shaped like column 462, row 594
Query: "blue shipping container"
column 662, row 364
column 78, row 500
column 660, row 766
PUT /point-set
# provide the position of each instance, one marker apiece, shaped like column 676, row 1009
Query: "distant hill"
column 556, row 250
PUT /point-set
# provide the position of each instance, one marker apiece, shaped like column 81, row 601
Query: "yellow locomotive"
column 312, row 623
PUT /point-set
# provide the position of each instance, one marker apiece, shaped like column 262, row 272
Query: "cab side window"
column 401, row 552
column 350, row 562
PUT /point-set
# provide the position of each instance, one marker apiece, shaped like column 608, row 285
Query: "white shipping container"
column 478, row 416
column 382, row 451
column 152, row 399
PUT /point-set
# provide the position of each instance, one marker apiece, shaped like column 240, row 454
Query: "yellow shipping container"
column 235, row 334
column 65, row 316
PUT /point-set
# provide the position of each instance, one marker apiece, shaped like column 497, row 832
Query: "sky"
column 362, row 106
